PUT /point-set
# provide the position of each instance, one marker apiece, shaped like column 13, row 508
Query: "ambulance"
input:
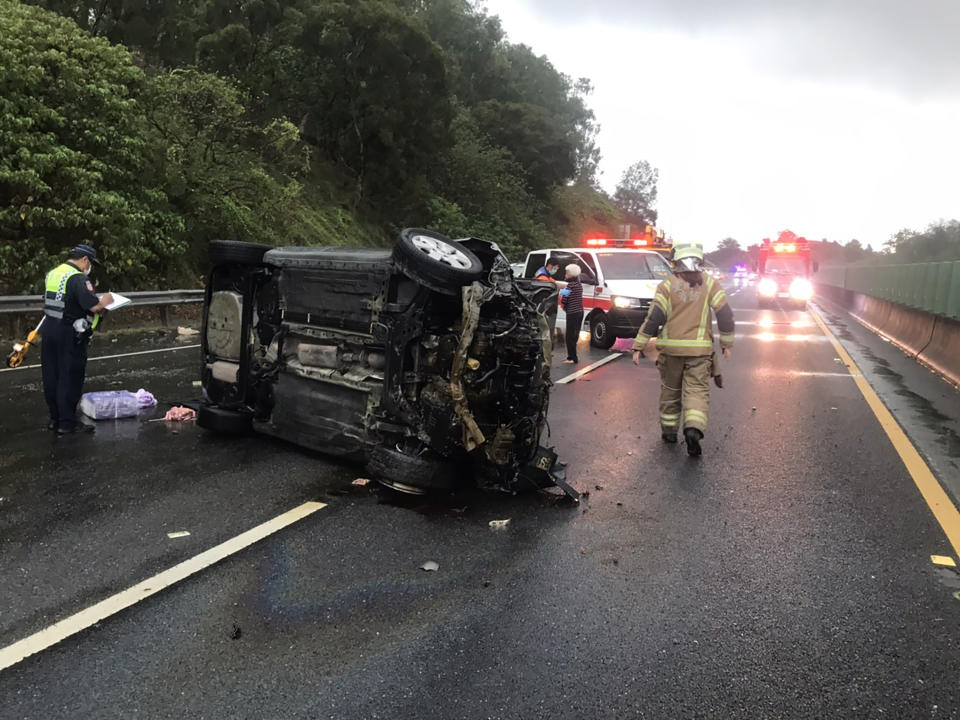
column 619, row 277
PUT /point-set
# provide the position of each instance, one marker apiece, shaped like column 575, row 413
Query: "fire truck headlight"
column 801, row 289
column 767, row 287
column 622, row 302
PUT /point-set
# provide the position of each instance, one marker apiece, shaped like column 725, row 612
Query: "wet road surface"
column 786, row 574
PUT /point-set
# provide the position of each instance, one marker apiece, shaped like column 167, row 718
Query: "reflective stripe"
column 664, row 303
column 55, row 314
column 669, row 416
column 705, row 313
column 727, row 338
column 718, row 300
column 695, row 415
column 666, row 342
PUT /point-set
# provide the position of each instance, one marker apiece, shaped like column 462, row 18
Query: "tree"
column 728, row 244
column 636, row 194
column 72, row 148
column 227, row 175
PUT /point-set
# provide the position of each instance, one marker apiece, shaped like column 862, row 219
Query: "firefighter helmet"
column 688, row 257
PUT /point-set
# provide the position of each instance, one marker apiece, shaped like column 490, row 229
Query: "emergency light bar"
column 784, row 247
column 618, row 242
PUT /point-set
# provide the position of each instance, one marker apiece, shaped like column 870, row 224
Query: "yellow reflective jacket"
column 684, row 312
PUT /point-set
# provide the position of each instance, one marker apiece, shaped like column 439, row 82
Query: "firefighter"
column 680, row 315
column 71, row 310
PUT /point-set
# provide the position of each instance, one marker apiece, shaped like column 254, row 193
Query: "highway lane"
column 785, row 574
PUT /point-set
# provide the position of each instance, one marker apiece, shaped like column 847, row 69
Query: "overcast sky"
column 838, row 119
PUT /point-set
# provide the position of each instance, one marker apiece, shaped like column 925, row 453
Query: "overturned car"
column 429, row 363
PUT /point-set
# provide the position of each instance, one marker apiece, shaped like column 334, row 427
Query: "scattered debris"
column 499, row 524
column 361, row 482
column 178, row 534
column 616, row 562
column 197, row 383
column 619, row 504
column 186, row 331
column 237, row 632
column 583, row 551
column 585, row 493
column 430, row 566
column 629, row 452
column 180, row 414
column 833, row 408
column 753, row 409
column 943, row 561
column 598, row 487
column 486, row 583
column 957, row 595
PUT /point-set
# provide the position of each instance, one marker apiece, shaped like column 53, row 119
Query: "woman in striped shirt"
column 571, row 298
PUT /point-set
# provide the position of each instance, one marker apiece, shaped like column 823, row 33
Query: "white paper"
column 118, row 301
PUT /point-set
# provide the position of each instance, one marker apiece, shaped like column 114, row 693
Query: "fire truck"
column 784, row 271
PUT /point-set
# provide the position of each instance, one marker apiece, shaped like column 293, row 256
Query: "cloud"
column 906, row 47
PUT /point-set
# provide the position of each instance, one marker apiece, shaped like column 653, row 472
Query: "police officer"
column 680, row 315
column 72, row 312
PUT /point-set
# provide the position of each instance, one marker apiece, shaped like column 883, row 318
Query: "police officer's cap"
column 86, row 251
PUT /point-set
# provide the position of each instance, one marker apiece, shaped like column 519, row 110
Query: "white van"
column 618, row 285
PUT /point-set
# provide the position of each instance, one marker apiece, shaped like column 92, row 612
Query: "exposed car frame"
column 429, row 363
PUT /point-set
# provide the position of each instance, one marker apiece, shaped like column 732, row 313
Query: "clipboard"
column 119, row 301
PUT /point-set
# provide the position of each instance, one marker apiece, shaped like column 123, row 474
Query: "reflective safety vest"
column 689, row 327
column 56, row 288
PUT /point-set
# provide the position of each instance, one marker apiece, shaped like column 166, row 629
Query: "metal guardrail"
column 147, row 298
column 932, row 287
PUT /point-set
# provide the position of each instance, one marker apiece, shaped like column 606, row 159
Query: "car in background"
column 428, row 362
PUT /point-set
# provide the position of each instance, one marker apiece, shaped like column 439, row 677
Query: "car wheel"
column 226, row 422
column 234, row 252
column 411, row 474
column 436, row 261
column 601, row 335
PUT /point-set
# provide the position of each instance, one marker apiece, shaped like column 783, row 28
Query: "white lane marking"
column 114, row 357
column 589, row 368
column 12, row 654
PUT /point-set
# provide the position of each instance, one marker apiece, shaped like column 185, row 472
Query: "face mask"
column 87, row 270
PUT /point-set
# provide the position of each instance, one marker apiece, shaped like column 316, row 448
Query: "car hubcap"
column 441, row 252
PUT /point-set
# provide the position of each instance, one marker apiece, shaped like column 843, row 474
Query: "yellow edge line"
column 12, row 654
column 936, row 498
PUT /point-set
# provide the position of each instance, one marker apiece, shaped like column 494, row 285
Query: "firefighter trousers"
column 684, row 391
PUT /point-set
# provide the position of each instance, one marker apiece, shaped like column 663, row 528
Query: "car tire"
column 413, row 475
column 436, row 261
column 225, row 422
column 234, row 252
column 601, row 336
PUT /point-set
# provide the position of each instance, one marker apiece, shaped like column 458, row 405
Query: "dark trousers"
column 574, row 323
column 64, row 362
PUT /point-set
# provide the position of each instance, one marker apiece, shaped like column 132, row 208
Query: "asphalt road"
column 785, row 574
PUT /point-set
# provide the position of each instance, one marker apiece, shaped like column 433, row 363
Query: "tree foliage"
column 636, row 194
column 281, row 121
column 72, row 147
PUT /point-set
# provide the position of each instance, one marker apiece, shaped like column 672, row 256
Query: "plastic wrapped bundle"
column 109, row 404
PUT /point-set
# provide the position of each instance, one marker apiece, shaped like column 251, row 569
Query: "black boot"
column 668, row 437
column 693, row 437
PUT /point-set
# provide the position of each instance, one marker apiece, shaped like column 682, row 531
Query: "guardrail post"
column 164, row 315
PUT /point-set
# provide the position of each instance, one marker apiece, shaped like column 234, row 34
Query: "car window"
column 633, row 266
column 534, row 262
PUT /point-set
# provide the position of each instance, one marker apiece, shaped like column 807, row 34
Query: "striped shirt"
column 573, row 302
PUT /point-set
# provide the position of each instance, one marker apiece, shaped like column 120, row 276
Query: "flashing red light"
column 597, row 242
column 784, row 247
